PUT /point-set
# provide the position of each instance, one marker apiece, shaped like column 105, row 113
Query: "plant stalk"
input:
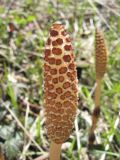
column 96, row 112
column 97, row 103
column 55, row 150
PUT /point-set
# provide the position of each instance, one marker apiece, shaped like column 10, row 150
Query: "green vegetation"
column 24, row 27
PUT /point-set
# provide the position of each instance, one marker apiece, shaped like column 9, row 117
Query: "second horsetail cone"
column 60, row 84
column 101, row 54
column 101, row 62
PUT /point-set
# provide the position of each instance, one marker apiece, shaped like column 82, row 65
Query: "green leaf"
column 6, row 131
column 2, row 9
column 31, row 18
column 12, row 148
column 11, row 93
column 38, row 129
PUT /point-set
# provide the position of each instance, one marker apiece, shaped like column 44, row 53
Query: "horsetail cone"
column 101, row 54
column 60, row 84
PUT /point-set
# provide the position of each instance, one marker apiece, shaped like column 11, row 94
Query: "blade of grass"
column 110, row 138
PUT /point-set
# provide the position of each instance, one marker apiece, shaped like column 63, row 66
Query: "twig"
column 93, row 90
column 109, row 8
column 34, row 107
column 32, row 129
column 100, row 15
column 29, row 143
column 21, row 126
column 26, row 121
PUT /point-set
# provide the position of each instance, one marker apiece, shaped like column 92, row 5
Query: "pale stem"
column 55, row 150
column 97, row 102
column 97, row 93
